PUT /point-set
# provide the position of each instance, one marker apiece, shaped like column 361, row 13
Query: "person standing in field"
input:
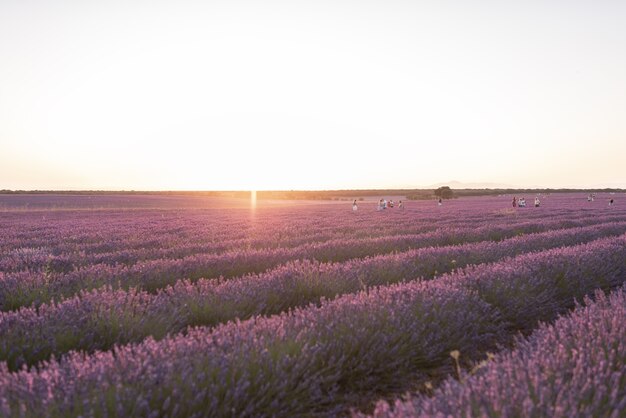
column 611, row 202
column 514, row 201
column 400, row 205
column 536, row 201
column 354, row 206
column 440, row 202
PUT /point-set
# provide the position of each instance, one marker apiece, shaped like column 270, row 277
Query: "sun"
column 253, row 199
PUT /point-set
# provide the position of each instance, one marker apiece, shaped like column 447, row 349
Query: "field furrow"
column 574, row 368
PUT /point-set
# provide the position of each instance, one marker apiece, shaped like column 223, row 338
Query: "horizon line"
column 10, row 191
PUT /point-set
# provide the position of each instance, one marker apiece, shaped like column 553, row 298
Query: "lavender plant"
column 574, row 368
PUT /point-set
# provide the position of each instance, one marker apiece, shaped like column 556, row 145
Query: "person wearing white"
column 354, row 206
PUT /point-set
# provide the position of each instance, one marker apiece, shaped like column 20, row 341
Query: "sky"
column 341, row 94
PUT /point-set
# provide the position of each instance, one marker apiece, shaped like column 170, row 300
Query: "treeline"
column 215, row 193
column 261, row 194
column 410, row 194
column 448, row 193
column 491, row 192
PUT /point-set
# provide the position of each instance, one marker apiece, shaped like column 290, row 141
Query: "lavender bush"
column 305, row 309
column 316, row 359
column 574, row 368
column 101, row 318
column 27, row 288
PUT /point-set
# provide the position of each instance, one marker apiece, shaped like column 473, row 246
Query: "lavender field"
column 149, row 306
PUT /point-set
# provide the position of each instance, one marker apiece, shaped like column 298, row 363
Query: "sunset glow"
column 311, row 95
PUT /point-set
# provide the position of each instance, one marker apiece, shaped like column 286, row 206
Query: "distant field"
column 173, row 305
column 192, row 198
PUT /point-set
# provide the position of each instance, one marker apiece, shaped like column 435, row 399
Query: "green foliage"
column 444, row 192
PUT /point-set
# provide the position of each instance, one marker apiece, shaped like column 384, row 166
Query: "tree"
column 444, row 192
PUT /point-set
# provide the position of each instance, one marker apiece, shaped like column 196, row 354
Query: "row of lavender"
column 61, row 230
column 71, row 240
column 108, row 245
column 574, row 368
column 26, row 288
column 99, row 319
column 321, row 359
column 29, row 235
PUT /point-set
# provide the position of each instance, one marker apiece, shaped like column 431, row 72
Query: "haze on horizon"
column 240, row 95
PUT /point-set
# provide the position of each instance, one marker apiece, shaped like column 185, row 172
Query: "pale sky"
column 252, row 94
